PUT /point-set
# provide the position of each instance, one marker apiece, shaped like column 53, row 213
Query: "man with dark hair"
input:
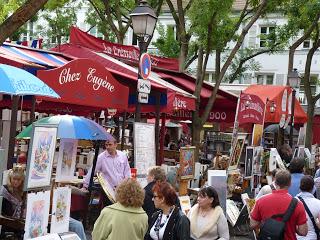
column 268, row 188
column 296, row 169
column 278, row 203
column 285, row 152
column 310, row 203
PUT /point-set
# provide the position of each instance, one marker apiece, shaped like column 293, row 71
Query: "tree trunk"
column 20, row 17
column 309, row 135
column 183, row 55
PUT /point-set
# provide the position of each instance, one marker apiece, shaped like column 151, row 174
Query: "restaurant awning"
column 281, row 97
column 87, row 83
column 32, row 57
column 176, row 98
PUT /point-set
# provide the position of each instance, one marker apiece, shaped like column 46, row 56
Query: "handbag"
column 316, row 229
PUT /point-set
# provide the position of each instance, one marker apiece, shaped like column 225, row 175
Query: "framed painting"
column 257, row 134
column 257, row 160
column 248, row 163
column 187, row 157
column 37, row 215
column 236, row 153
column 66, row 160
column 41, row 155
column 60, row 210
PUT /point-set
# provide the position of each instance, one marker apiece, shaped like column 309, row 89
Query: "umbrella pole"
column 13, row 131
column 96, row 153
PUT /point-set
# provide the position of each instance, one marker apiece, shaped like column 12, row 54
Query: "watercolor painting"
column 235, row 158
column 37, row 215
column 60, row 210
column 66, row 160
column 42, row 154
column 187, row 162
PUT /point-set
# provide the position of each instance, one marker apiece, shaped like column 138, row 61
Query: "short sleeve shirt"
column 277, row 203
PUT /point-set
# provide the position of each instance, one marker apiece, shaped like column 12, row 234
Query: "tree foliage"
column 167, row 44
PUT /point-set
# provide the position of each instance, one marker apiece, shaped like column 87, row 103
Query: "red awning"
column 123, row 70
column 280, row 96
column 88, row 83
column 119, row 51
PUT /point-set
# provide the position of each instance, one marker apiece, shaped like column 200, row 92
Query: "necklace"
column 203, row 213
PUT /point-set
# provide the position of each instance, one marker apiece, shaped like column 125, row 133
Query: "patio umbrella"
column 73, row 127
column 16, row 81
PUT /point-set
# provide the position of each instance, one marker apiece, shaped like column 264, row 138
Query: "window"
column 134, row 39
column 264, row 79
column 306, row 43
column 264, row 34
column 313, row 86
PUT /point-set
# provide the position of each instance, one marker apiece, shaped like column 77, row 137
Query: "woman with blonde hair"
column 207, row 220
column 12, row 193
column 125, row 219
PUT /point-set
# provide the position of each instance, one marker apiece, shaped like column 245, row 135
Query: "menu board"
column 144, row 149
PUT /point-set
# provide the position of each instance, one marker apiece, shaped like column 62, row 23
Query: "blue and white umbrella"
column 73, row 127
column 16, row 81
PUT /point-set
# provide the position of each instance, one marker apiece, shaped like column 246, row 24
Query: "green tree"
column 114, row 15
column 59, row 16
column 215, row 25
column 21, row 11
column 304, row 17
column 167, row 44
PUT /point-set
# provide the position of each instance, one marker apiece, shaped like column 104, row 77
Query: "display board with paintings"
column 41, row 156
column 187, row 161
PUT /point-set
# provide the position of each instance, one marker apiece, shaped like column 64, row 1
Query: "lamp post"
column 144, row 21
column 294, row 82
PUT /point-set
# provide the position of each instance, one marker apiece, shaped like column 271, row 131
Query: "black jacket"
column 177, row 228
column 148, row 205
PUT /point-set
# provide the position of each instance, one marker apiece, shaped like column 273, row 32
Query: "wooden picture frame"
column 41, row 155
column 187, row 159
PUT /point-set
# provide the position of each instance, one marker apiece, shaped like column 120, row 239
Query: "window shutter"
column 252, row 34
column 280, row 79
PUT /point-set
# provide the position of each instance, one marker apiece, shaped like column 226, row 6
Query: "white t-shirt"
column 165, row 220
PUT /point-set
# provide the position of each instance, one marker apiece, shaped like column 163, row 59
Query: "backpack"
column 273, row 229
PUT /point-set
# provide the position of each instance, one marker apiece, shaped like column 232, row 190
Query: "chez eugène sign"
column 85, row 82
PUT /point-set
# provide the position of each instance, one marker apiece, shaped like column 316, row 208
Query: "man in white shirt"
column 313, row 204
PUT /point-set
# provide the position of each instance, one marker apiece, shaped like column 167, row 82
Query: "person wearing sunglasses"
column 206, row 217
column 169, row 223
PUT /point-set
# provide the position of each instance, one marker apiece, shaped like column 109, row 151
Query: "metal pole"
column 292, row 117
column 157, row 128
column 124, row 118
column 143, row 49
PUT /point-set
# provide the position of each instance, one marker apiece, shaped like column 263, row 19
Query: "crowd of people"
column 290, row 200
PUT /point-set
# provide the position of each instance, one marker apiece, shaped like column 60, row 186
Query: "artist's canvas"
column 249, row 160
column 257, row 160
column 235, row 157
column 41, row 157
column 66, row 159
column 257, row 134
column 218, row 180
column 187, row 157
column 37, row 215
column 60, row 210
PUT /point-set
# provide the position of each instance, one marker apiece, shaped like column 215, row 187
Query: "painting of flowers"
column 66, row 160
column 41, row 157
column 60, row 210
column 37, row 215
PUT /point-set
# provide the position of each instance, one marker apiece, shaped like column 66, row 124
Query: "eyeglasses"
column 155, row 196
column 108, row 144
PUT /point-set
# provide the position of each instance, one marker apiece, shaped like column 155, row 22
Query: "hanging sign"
column 144, row 86
column 143, row 98
column 145, row 65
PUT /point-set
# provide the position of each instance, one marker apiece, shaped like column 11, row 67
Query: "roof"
column 31, row 56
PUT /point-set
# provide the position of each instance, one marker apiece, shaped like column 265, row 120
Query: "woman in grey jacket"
column 169, row 223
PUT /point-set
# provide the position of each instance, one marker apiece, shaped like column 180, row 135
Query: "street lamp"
column 294, row 82
column 144, row 21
